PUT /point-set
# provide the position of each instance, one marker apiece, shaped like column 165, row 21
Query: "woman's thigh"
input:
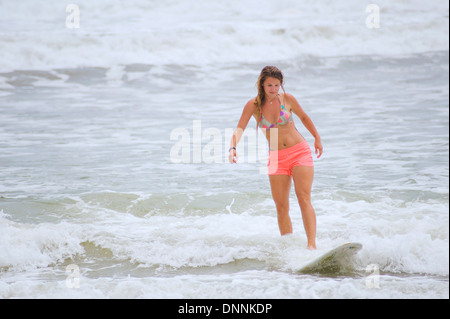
column 280, row 186
column 303, row 178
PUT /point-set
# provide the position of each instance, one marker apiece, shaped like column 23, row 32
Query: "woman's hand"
column 318, row 147
column 232, row 156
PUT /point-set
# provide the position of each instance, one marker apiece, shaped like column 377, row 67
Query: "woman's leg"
column 281, row 186
column 303, row 178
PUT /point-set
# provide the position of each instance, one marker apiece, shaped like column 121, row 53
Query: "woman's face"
column 271, row 87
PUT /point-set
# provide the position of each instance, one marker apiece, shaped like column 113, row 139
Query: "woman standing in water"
column 290, row 157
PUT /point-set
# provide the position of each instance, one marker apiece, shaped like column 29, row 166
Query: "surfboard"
column 335, row 260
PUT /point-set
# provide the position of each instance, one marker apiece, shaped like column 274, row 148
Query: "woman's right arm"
column 249, row 110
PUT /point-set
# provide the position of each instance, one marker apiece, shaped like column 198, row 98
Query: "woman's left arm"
column 307, row 122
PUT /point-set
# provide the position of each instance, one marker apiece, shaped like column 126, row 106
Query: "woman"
column 290, row 157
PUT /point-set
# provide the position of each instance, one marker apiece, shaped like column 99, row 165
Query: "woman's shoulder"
column 287, row 96
column 251, row 103
column 289, row 101
column 250, row 107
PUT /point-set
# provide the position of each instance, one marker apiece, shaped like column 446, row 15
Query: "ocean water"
column 114, row 130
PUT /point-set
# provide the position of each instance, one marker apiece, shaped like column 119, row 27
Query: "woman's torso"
column 278, row 126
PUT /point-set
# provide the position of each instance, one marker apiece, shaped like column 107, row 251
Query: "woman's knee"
column 282, row 207
column 304, row 198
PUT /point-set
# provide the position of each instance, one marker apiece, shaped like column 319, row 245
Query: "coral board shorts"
column 283, row 161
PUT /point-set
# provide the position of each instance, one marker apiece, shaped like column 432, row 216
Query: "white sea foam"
column 182, row 255
column 34, row 35
column 412, row 239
